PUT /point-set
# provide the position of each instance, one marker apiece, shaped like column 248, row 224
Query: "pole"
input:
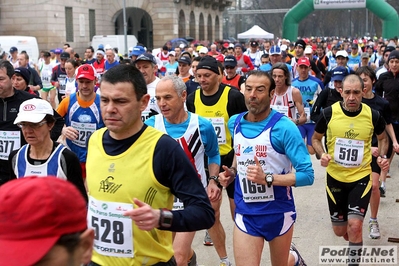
column 125, row 27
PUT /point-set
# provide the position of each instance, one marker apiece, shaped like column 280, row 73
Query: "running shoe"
column 301, row 261
column 223, row 263
column 374, row 230
column 207, row 239
column 382, row 191
column 193, row 260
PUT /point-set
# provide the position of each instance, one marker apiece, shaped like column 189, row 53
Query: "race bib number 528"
column 113, row 231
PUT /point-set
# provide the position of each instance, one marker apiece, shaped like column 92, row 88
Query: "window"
column 69, row 24
column 92, row 23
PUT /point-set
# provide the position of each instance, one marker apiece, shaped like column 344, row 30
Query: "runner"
column 197, row 137
column 350, row 125
column 267, row 145
column 124, row 153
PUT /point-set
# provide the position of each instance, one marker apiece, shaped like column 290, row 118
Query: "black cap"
column 209, row 63
column 185, row 60
column 300, row 43
column 65, row 55
column 254, row 43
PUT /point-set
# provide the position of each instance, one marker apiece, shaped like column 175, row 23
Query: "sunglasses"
column 31, row 125
column 229, row 67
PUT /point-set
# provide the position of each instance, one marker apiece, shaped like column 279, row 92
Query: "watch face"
column 167, row 221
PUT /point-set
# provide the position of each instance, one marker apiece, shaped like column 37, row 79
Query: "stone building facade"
column 153, row 22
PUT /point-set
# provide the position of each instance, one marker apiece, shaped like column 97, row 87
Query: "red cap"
column 34, row 213
column 226, row 45
column 86, row 72
column 303, row 61
column 220, row 58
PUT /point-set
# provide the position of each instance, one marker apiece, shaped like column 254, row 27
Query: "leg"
column 52, row 98
column 247, row 248
column 182, row 247
column 355, row 230
column 217, row 232
column 280, row 249
column 44, row 94
column 232, row 207
column 375, row 195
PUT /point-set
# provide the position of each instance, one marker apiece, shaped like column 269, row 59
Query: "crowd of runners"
column 151, row 141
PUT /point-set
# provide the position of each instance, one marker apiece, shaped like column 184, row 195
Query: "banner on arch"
column 338, row 4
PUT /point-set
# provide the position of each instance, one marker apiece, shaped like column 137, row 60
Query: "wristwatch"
column 296, row 121
column 165, row 218
column 216, row 178
column 269, row 179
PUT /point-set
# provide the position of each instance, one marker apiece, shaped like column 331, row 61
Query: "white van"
column 114, row 41
column 23, row 43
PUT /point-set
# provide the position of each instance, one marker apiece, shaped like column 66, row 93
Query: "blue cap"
column 230, row 60
column 275, row 50
column 339, row 73
column 100, row 46
column 146, row 57
column 58, row 51
column 13, row 49
column 137, row 50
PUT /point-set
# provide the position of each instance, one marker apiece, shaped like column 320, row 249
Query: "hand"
column 70, row 133
column 396, row 147
column 226, row 177
column 145, row 217
column 214, row 192
column 374, row 151
column 383, row 163
column 255, row 172
column 325, row 159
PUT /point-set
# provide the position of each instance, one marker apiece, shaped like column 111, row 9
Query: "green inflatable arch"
column 379, row 7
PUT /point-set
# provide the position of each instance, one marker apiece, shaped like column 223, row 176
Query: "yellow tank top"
column 218, row 116
column 113, row 182
column 349, row 144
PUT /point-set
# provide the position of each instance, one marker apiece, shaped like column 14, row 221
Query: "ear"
column 272, row 93
column 86, row 245
column 184, row 95
column 144, row 101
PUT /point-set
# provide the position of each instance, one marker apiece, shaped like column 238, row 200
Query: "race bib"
column 251, row 191
column 9, row 141
column 281, row 109
column 348, row 152
column 220, row 129
column 307, row 112
column 85, row 130
column 113, row 231
column 61, row 88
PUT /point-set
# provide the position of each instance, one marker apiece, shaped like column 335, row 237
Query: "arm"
column 37, row 81
column 297, row 97
column 58, row 126
column 391, row 133
column 249, row 64
column 74, row 172
column 382, row 162
column 320, row 103
column 229, row 174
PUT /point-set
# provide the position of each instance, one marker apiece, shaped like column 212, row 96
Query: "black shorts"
column 348, row 200
column 228, row 160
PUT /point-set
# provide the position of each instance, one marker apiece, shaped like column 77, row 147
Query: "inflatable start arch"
column 380, row 8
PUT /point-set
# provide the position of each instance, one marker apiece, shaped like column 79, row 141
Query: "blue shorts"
column 307, row 131
column 267, row 226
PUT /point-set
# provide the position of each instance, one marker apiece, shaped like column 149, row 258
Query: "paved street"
column 313, row 227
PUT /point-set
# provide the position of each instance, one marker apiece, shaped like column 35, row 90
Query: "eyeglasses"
column 31, row 125
column 229, row 67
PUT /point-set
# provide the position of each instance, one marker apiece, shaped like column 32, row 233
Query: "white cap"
column 107, row 47
column 182, row 46
column 308, row 50
column 203, row 50
column 342, row 53
column 283, row 47
column 231, row 45
column 130, row 48
column 34, row 111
